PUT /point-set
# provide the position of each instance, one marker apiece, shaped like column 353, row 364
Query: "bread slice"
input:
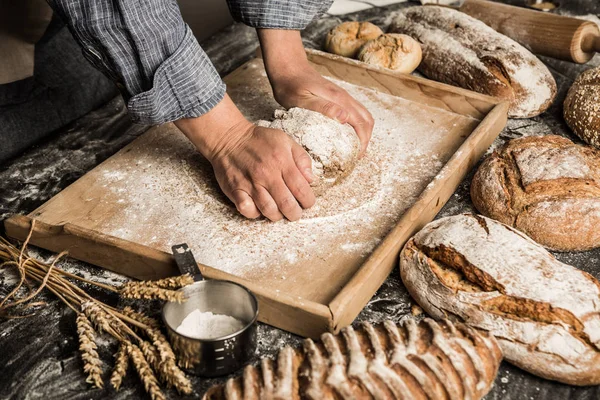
column 463, row 51
column 545, row 314
column 545, row 186
column 424, row 360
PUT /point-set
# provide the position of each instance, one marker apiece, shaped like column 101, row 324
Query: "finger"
column 328, row 108
column 303, row 163
column 244, row 204
column 285, row 200
column 265, row 203
column 363, row 125
column 299, row 187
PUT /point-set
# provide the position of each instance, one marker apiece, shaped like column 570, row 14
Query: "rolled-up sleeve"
column 277, row 14
column 151, row 54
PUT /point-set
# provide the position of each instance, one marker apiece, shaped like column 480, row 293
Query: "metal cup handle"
column 186, row 262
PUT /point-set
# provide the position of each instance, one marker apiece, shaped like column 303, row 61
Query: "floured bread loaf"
column 425, row 360
column 545, row 314
column 462, row 51
column 333, row 147
column 347, row 38
column 547, row 187
column 582, row 106
column 393, row 51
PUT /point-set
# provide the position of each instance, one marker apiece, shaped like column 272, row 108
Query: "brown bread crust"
column 547, row 187
column 463, row 51
column 545, row 314
column 413, row 360
column 347, row 38
column 582, row 106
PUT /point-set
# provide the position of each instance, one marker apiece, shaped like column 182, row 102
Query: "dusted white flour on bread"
column 463, row 51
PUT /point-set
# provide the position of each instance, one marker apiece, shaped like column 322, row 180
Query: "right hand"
column 261, row 170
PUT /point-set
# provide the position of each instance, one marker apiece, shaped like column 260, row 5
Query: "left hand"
column 297, row 84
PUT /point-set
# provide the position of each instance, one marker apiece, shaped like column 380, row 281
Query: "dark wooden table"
column 38, row 355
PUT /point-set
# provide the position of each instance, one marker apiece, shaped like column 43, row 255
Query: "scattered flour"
column 206, row 325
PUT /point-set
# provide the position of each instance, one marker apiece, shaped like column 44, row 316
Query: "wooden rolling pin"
column 546, row 34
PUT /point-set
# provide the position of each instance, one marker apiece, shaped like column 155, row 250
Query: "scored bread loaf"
column 462, row 51
column 347, row 38
column 424, row 360
column 547, row 187
column 393, row 51
column 544, row 314
column 582, row 106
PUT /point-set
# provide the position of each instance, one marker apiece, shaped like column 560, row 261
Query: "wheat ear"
column 173, row 282
column 121, row 364
column 103, row 321
column 144, row 319
column 92, row 365
column 139, row 290
column 145, row 372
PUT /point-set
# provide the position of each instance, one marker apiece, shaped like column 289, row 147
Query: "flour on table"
column 172, row 195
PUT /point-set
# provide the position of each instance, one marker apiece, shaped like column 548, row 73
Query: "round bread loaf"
column 463, row 51
column 547, row 187
column 413, row 360
column 582, row 106
column 332, row 147
column 545, row 314
column 392, row 50
column 347, row 38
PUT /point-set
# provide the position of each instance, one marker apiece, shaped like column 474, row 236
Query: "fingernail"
column 308, row 173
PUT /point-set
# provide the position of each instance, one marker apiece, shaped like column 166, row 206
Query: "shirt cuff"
column 185, row 85
column 277, row 14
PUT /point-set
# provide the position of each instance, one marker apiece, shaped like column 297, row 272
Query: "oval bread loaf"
column 347, row 38
column 582, row 106
column 545, row 314
column 462, row 51
column 393, row 51
column 547, row 187
column 425, row 360
column 333, row 147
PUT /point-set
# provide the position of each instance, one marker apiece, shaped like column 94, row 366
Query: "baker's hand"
column 297, row 84
column 261, row 170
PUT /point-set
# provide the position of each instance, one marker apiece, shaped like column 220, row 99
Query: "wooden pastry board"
column 310, row 293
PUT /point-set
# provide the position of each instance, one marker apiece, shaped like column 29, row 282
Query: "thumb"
column 328, row 108
column 303, row 163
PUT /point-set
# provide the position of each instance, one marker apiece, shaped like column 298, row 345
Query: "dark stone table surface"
column 38, row 355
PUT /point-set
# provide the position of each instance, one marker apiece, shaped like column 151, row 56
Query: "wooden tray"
column 320, row 295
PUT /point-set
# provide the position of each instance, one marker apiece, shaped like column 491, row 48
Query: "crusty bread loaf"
column 333, row 147
column 547, row 187
column 347, row 38
column 462, row 51
column 545, row 314
column 425, row 360
column 393, row 51
column 582, row 106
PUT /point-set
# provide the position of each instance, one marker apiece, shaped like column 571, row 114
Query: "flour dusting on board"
column 172, row 196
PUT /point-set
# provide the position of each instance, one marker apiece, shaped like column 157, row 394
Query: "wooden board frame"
column 307, row 318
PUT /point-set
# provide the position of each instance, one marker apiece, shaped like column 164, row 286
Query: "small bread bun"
column 582, row 108
column 347, row 38
column 394, row 51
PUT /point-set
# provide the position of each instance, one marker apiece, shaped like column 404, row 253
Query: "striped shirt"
column 151, row 54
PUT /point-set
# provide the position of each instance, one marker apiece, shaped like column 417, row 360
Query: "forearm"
column 283, row 52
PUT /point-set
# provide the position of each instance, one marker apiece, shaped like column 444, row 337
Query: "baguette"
column 544, row 314
column 425, row 360
column 462, row 51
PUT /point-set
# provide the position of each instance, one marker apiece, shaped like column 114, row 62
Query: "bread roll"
column 392, row 50
column 347, row 38
column 547, row 187
column 425, row 360
column 332, row 147
column 462, row 51
column 545, row 314
column 582, row 106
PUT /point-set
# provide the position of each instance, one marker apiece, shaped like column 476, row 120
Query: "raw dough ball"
column 347, row 38
column 394, row 51
column 582, row 107
column 332, row 147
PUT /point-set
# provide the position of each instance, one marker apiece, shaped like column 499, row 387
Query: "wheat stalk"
column 145, row 372
column 87, row 345
column 139, row 290
column 120, row 368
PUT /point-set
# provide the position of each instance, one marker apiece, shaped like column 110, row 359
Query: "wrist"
column 217, row 129
column 283, row 52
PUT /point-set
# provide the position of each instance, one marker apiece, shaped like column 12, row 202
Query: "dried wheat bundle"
column 139, row 336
